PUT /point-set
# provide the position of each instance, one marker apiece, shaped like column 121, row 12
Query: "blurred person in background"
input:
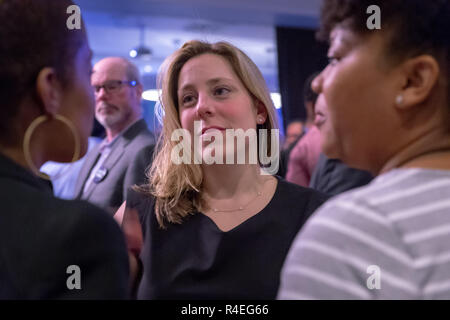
column 294, row 131
column 120, row 160
column 302, row 158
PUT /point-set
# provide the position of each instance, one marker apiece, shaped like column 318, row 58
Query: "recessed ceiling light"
column 133, row 53
column 148, row 68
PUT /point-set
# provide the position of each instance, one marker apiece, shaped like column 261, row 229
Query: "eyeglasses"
column 112, row 86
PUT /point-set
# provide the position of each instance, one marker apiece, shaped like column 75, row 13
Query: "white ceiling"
column 114, row 27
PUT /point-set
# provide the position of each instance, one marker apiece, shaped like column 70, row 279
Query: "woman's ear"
column 420, row 76
column 49, row 91
column 261, row 112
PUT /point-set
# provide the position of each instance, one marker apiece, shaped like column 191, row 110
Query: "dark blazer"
column 41, row 236
column 125, row 166
column 332, row 176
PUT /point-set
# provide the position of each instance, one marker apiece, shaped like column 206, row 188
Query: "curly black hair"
column 33, row 35
column 415, row 26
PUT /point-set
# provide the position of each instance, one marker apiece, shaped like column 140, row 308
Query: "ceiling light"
column 276, row 98
column 141, row 52
column 148, row 68
column 151, row 95
column 133, row 53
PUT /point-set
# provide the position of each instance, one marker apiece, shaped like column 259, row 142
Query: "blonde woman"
column 213, row 230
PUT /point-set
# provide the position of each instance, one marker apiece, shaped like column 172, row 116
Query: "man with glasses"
column 120, row 160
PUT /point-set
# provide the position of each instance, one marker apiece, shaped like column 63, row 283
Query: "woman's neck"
column 15, row 154
column 36, row 148
column 430, row 151
column 227, row 181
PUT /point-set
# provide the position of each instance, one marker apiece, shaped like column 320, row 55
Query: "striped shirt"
column 387, row 240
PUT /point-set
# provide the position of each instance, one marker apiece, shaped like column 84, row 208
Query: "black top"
column 332, row 176
column 196, row 260
column 41, row 236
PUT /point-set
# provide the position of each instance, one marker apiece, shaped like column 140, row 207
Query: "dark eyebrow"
column 342, row 43
column 185, row 87
column 346, row 38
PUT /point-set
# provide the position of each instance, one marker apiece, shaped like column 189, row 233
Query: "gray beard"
column 113, row 120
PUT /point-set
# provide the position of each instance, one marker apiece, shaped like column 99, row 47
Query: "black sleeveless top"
column 196, row 260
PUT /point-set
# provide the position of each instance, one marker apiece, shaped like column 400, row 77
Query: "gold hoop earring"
column 27, row 138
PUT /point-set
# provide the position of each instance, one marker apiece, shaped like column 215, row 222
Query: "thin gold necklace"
column 240, row 208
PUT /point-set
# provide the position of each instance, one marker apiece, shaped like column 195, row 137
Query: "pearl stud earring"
column 399, row 99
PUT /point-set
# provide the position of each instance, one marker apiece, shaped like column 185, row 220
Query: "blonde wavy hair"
column 177, row 187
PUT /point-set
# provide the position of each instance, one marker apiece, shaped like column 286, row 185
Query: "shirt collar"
column 105, row 144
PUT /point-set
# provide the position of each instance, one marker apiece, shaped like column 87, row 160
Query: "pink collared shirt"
column 304, row 157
